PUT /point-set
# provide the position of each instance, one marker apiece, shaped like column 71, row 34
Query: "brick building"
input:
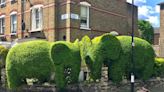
column 161, row 30
column 64, row 19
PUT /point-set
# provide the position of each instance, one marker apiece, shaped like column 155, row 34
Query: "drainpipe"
column 22, row 18
column 68, row 21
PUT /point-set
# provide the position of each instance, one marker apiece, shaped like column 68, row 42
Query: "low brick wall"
column 102, row 85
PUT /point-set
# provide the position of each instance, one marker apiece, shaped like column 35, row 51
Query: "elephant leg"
column 148, row 69
column 59, row 76
column 13, row 80
column 116, row 70
column 115, row 73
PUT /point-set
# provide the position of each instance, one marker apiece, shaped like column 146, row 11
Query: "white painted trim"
column 13, row 33
column 2, row 16
column 85, row 3
column 3, row 3
column 2, row 35
column 13, row 13
column 37, row 6
column 88, row 20
column 85, row 28
column 36, row 30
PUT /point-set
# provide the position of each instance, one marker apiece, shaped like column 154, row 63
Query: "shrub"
column 159, row 67
column 3, row 54
column 67, row 61
column 103, row 49
column 85, row 45
column 143, row 57
column 28, row 60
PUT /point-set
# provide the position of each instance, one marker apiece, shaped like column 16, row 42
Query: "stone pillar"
column 3, row 78
column 104, row 79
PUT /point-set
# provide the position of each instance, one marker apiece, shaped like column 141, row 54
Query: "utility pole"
column 132, row 52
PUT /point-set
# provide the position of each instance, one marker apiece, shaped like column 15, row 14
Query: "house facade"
column 55, row 20
column 161, row 30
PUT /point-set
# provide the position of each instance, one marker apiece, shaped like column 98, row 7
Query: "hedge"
column 67, row 61
column 103, row 49
column 115, row 52
column 3, row 54
column 143, row 58
column 159, row 67
column 85, row 45
column 28, row 60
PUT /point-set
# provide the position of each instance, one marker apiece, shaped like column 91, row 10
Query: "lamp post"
column 132, row 52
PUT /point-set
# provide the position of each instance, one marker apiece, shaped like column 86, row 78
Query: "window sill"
column 2, row 5
column 85, row 28
column 36, row 30
column 2, row 35
column 13, row 34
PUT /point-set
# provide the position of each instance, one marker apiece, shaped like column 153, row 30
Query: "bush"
column 28, row 60
column 3, row 54
column 67, row 61
column 85, row 45
column 103, row 49
column 159, row 67
column 143, row 57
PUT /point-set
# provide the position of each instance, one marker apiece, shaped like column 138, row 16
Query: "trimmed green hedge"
column 159, row 67
column 28, row 60
column 115, row 52
column 143, row 57
column 3, row 54
column 103, row 49
column 67, row 61
column 85, row 45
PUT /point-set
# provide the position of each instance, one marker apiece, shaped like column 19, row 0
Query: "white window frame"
column 13, row 32
column 87, row 5
column 33, row 18
column 2, row 25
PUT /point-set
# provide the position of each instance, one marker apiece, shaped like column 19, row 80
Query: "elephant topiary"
column 3, row 54
column 28, row 60
column 115, row 52
column 143, row 60
column 98, row 51
column 159, row 67
column 67, row 61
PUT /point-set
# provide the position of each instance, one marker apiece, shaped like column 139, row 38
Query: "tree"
column 146, row 30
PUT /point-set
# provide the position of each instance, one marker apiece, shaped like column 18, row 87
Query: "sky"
column 148, row 10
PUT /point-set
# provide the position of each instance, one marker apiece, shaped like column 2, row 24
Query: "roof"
column 161, row 3
column 156, row 30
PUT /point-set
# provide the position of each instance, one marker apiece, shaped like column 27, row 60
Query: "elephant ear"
column 89, row 62
column 59, row 52
column 110, row 46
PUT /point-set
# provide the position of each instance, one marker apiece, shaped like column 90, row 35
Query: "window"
column 13, row 1
column 84, row 15
column 37, row 18
column 2, row 25
column 13, row 23
column 2, row 3
column 162, row 7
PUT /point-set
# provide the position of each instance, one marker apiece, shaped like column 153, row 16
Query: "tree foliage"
column 146, row 30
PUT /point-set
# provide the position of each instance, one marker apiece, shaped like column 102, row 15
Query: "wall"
column 105, row 16
column 161, row 44
column 48, row 19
